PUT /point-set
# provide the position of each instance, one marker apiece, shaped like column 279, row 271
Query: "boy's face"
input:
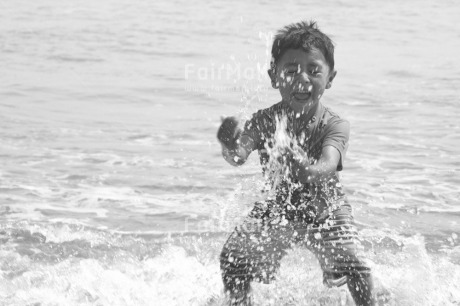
column 302, row 76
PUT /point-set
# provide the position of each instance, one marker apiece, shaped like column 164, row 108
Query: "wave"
column 71, row 264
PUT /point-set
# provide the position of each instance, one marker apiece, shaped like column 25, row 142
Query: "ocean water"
column 112, row 187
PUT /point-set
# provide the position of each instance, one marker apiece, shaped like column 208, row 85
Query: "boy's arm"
column 322, row 170
column 335, row 145
column 235, row 146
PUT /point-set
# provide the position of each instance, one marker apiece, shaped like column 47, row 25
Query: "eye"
column 315, row 71
column 291, row 69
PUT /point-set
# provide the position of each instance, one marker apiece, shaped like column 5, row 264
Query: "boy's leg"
column 361, row 289
column 235, row 271
column 336, row 247
column 253, row 252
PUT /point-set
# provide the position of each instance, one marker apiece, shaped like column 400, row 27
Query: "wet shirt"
column 325, row 128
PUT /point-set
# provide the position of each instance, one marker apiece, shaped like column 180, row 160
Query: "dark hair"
column 303, row 35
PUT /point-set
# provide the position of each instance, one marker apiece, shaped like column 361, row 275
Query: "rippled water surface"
column 112, row 187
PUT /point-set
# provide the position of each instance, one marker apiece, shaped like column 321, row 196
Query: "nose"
column 304, row 77
column 304, row 81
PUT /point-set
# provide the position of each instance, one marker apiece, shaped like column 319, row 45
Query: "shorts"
column 254, row 250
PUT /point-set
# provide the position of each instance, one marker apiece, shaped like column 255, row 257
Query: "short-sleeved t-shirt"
column 324, row 129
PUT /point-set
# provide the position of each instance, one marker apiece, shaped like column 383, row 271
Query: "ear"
column 331, row 78
column 272, row 75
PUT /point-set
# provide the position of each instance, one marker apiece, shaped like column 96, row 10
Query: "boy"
column 309, row 205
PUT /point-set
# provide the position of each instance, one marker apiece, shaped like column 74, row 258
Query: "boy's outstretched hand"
column 235, row 147
column 305, row 172
column 229, row 133
column 297, row 160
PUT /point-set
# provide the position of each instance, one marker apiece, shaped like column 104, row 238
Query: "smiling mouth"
column 302, row 95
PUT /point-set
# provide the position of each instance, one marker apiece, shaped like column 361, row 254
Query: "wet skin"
column 302, row 77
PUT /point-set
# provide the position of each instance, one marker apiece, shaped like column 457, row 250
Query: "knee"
column 236, row 283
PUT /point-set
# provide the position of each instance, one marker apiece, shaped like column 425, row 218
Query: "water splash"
column 283, row 148
column 79, row 265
